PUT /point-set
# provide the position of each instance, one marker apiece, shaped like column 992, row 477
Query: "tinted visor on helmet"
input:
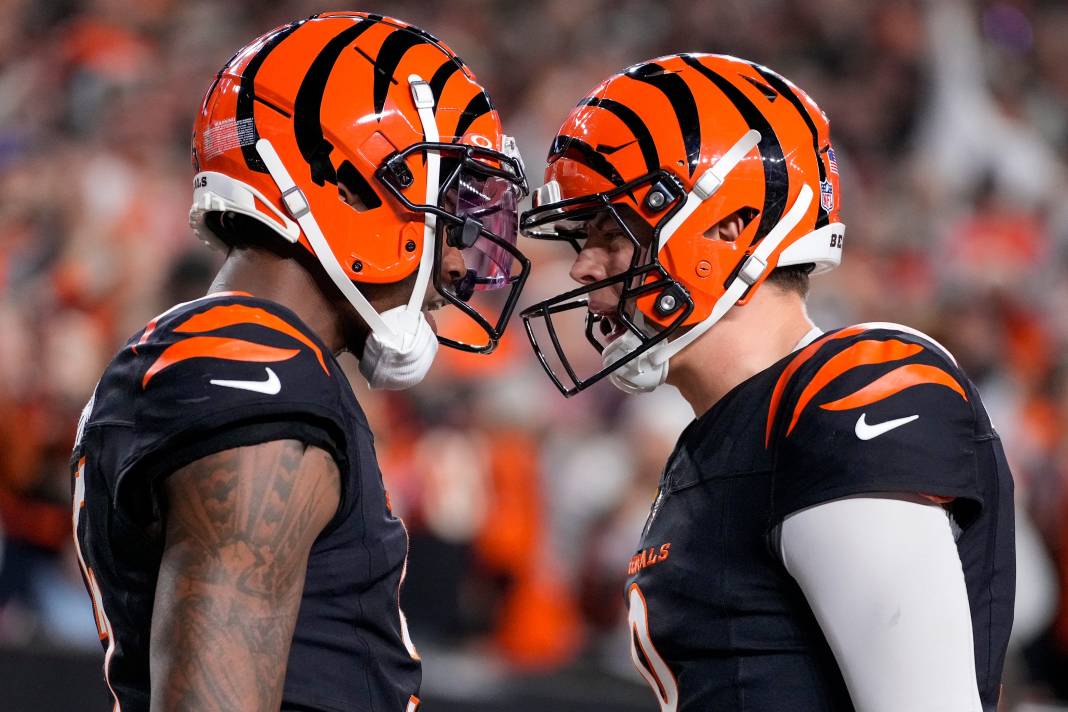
column 491, row 203
column 572, row 341
column 479, row 270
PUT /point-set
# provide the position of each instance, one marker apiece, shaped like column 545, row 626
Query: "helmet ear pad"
column 355, row 189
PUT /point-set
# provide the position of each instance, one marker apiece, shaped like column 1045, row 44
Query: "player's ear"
column 729, row 228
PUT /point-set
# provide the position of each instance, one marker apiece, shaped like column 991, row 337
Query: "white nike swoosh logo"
column 867, row 432
column 271, row 386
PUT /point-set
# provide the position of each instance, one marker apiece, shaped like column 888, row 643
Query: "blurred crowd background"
column 950, row 121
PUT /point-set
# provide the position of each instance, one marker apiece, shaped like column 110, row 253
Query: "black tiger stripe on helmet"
column 777, row 177
column 247, row 92
column 389, row 57
column 637, row 126
column 578, row 150
column 442, row 76
column 307, row 124
column 479, row 106
column 682, row 102
column 782, row 87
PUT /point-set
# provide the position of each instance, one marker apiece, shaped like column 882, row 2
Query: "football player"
column 236, row 539
column 834, row 530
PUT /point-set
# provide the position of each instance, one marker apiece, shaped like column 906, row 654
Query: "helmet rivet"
column 410, row 245
column 357, row 266
column 669, row 300
column 655, row 199
column 704, row 268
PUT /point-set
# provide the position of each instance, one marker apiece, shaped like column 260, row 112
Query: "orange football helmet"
column 386, row 115
column 666, row 150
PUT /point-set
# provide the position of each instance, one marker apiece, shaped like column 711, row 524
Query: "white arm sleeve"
column 882, row 575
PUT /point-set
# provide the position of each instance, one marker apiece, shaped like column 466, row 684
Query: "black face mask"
column 477, row 214
column 551, row 324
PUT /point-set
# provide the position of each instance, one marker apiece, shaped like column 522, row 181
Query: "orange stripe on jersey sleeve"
column 151, row 327
column 862, row 353
column 216, row 347
column 802, row 357
column 232, row 314
column 907, row 376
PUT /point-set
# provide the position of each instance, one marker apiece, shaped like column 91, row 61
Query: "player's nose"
column 589, row 266
column 453, row 268
column 454, row 272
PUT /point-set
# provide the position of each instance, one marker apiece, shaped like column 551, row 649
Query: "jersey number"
column 648, row 661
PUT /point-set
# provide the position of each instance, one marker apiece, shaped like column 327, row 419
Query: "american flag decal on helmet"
column 832, row 163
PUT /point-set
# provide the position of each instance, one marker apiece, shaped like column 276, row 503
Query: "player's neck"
column 283, row 280
column 746, row 341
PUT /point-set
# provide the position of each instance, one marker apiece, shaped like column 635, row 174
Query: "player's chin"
column 432, row 305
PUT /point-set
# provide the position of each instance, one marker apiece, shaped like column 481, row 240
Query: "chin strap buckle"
column 707, row 185
column 422, row 94
column 295, row 202
column 752, row 270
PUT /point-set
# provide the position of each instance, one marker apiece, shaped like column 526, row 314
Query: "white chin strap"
column 650, row 370
column 423, row 96
column 401, row 346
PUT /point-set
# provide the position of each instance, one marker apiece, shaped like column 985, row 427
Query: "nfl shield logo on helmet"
column 826, row 195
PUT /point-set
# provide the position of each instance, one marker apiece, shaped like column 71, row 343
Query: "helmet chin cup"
column 638, row 375
column 402, row 361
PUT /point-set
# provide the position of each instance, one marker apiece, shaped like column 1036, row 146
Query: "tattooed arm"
column 240, row 524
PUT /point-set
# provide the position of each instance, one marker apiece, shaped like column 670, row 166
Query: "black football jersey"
column 716, row 621
column 226, row 371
